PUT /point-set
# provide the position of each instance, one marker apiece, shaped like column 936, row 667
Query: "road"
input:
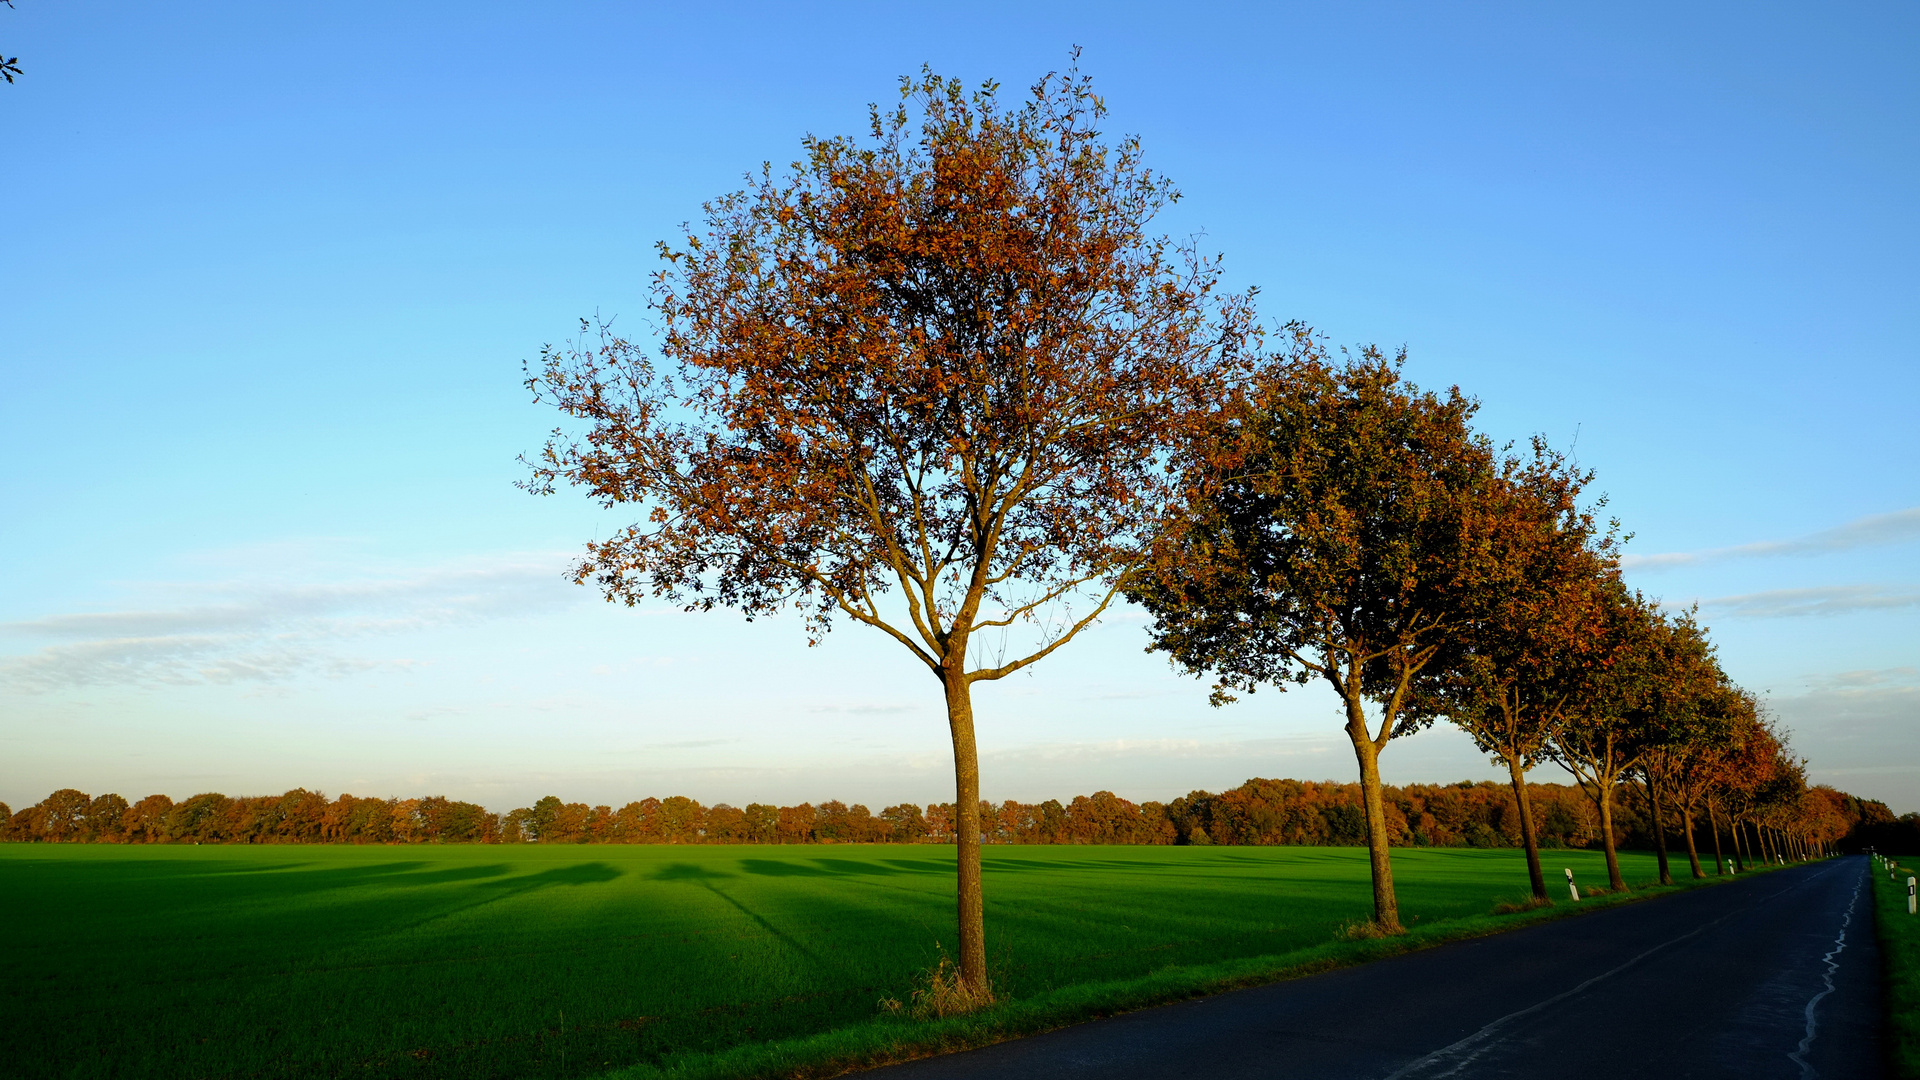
column 1774, row 975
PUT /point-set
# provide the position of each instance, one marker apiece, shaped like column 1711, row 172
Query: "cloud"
column 1825, row 600
column 1898, row 527
column 251, row 632
column 1860, row 731
column 1864, row 680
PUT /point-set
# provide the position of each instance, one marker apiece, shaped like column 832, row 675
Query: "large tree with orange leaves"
column 939, row 382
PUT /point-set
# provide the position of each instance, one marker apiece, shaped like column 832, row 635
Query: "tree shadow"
column 857, row 868
column 589, row 873
column 780, row 868
column 920, row 866
column 681, row 871
column 279, row 878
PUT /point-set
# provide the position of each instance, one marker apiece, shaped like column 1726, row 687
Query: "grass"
column 1900, row 952
column 480, row 961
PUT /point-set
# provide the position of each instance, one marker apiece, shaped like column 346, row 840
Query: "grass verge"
column 887, row 1039
column 1900, row 958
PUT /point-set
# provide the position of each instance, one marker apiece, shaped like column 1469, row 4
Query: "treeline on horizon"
column 1258, row 812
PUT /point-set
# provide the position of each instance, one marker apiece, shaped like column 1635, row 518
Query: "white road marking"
column 1799, row 1056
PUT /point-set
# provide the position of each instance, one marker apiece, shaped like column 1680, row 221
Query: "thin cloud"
column 239, row 632
column 866, row 710
column 1864, row 680
column 1828, row 600
column 1898, row 527
column 1109, row 749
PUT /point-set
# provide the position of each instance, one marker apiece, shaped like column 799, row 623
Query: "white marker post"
column 1571, row 887
column 1910, row 908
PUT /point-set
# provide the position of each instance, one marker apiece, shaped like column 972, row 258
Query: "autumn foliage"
column 947, row 383
column 936, row 382
column 1258, row 812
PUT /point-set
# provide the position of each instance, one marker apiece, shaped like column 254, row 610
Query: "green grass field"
column 1900, row 952
column 538, row 961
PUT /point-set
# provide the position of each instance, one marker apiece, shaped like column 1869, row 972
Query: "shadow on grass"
column 681, row 871
column 229, row 878
column 827, row 867
column 495, row 890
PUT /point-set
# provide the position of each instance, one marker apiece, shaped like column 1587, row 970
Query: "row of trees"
column 944, row 382
column 1359, row 533
column 1259, row 812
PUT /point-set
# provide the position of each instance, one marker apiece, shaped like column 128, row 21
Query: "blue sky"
column 270, row 272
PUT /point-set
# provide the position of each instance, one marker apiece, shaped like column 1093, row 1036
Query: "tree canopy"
column 1346, row 541
column 938, row 381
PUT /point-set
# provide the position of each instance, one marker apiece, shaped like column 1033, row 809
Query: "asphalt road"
column 1775, row 975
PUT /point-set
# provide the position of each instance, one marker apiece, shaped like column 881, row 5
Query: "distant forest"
column 1465, row 814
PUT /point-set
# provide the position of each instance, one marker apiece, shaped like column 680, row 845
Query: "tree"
column 543, row 820
column 932, row 383
column 1774, row 803
column 905, row 822
column 1696, row 768
column 1675, row 714
column 145, row 821
column 65, row 815
column 198, row 819
column 1345, row 541
column 1605, row 733
column 1751, row 766
column 102, row 818
column 1532, row 642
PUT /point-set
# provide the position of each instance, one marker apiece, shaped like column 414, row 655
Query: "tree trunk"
column 1659, row 828
column 1713, row 825
column 1614, row 880
column 1693, row 852
column 1740, row 860
column 966, row 830
column 1386, row 908
column 1528, row 838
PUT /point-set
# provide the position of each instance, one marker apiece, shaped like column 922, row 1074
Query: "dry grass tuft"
column 1515, row 907
column 1362, row 930
column 941, row 992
